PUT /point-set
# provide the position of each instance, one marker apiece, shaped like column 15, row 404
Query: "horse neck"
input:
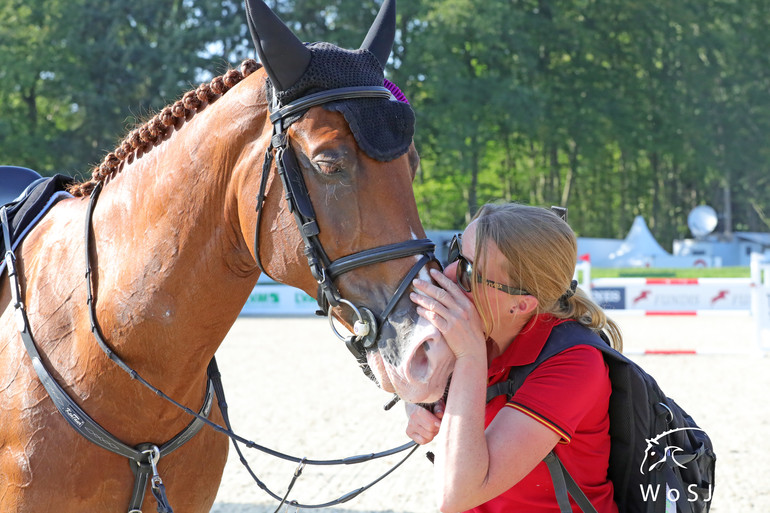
column 173, row 267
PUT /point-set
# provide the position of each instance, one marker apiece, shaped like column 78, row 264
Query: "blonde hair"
column 541, row 251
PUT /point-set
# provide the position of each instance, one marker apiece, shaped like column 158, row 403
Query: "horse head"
column 346, row 214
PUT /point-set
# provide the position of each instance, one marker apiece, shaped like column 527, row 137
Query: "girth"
column 143, row 458
column 324, row 271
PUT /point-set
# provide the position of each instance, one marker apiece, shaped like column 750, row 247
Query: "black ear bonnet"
column 382, row 128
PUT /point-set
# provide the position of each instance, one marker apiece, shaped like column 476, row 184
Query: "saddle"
column 28, row 209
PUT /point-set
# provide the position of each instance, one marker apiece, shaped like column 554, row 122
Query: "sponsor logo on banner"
column 610, row 297
column 722, row 294
column 278, row 299
column 643, row 294
column 264, row 298
column 687, row 297
column 300, row 298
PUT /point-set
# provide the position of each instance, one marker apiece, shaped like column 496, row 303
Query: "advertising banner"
column 673, row 294
column 650, row 295
column 277, row 299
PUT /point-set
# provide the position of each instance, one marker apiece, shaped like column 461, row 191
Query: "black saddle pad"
column 25, row 212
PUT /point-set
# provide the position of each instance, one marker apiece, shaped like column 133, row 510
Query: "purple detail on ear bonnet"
column 395, row 91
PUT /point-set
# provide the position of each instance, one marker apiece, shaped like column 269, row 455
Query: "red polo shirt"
column 569, row 393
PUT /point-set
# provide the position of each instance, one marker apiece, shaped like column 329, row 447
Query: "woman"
column 509, row 283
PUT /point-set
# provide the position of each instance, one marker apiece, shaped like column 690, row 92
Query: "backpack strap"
column 563, row 336
column 564, row 484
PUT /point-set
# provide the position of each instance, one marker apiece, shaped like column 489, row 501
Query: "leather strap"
column 261, row 195
column 565, row 486
column 379, row 254
column 78, row 419
column 672, row 479
column 330, row 95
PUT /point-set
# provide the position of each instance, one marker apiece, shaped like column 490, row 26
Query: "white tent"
column 639, row 249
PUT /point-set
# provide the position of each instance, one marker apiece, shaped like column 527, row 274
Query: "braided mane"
column 142, row 139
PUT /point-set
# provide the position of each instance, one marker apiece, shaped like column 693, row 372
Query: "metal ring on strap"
column 670, row 413
column 361, row 327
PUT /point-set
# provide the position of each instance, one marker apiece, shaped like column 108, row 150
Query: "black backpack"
column 659, row 457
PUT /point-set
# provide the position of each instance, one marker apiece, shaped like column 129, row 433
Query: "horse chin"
column 377, row 365
column 421, row 376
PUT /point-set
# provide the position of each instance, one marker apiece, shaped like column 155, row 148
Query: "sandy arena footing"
column 293, row 387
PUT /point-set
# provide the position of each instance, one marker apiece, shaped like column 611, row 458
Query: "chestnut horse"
column 173, row 259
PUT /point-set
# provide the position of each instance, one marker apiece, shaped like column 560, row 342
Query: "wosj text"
column 694, row 493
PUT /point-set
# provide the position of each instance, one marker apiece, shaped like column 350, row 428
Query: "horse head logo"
column 660, row 455
column 721, row 295
column 645, row 294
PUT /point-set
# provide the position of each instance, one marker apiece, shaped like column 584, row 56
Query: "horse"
column 192, row 208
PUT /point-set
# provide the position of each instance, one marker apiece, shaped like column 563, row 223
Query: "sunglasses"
column 465, row 271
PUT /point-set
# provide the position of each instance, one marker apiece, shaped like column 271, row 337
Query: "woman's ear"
column 526, row 304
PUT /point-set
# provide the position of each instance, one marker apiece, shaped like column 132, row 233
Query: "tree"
column 612, row 108
column 76, row 74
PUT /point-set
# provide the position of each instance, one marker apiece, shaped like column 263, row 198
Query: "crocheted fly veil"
column 382, row 128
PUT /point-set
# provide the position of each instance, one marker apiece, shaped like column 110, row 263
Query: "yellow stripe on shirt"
column 565, row 438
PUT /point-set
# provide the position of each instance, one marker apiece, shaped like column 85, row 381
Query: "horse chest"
column 46, row 466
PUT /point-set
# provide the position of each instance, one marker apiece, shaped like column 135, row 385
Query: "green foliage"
column 615, row 108
column 75, row 75
column 708, row 272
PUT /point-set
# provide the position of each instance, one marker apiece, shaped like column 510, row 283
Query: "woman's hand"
column 423, row 426
column 453, row 313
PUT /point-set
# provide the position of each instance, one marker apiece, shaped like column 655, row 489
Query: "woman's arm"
column 474, row 465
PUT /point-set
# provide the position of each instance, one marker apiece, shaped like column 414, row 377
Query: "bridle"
column 367, row 326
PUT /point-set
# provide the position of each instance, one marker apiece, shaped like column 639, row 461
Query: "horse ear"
column 380, row 38
column 282, row 54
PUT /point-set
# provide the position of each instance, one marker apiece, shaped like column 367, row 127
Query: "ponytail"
column 580, row 307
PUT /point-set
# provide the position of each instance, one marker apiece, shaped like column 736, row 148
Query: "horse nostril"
column 418, row 368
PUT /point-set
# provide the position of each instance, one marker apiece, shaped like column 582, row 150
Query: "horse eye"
column 329, row 168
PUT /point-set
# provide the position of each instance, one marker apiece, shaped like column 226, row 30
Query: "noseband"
column 367, row 326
